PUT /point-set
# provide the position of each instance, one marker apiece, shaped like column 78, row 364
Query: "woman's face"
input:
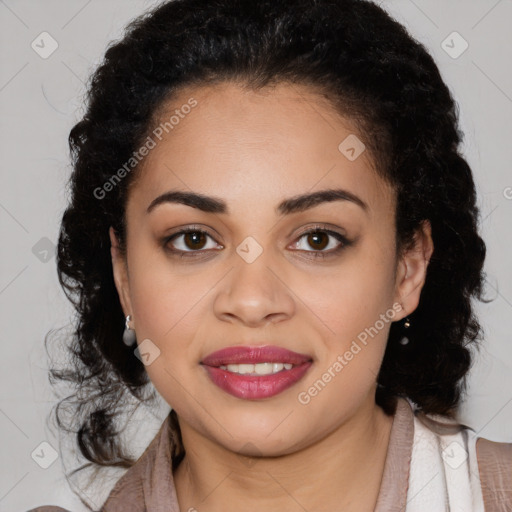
column 255, row 278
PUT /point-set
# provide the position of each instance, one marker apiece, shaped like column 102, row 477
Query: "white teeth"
column 244, row 368
column 264, row 368
column 257, row 369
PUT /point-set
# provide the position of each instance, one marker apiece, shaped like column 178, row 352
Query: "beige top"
column 148, row 485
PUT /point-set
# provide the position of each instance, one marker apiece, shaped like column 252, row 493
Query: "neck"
column 212, row 478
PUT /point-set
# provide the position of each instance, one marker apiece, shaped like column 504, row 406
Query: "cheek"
column 167, row 305
column 355, row 305
column 168, row 311
column 166, row 295
column 352, row 295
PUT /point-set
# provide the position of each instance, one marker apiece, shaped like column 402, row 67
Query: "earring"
column 405, row 339
column 128, row 334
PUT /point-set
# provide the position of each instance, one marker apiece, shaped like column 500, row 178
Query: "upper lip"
column 254, row 354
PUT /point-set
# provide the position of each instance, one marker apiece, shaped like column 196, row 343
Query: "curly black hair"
column 370, row 69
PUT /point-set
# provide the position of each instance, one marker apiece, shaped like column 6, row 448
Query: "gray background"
column 40, row 100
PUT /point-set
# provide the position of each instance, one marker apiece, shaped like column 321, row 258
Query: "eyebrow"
column 291, row 205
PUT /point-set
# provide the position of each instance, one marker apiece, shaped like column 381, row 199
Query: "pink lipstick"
column 253, row 373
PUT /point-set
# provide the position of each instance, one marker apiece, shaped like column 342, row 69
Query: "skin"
column 253, row 150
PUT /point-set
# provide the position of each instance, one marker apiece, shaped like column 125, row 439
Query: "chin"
column 260, row 446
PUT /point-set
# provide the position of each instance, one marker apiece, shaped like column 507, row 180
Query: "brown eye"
column 194, row 240
column 318, row 240
column 190, row 241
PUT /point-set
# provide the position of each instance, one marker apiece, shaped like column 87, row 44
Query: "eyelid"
column 187, row 228
column 328, row 228
column 195, row 227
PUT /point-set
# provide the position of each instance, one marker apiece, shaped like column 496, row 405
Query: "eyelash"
column 315, row 254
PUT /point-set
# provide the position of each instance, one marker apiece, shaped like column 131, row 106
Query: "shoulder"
column 493, row 453
column 495, row 469
column 148, row 481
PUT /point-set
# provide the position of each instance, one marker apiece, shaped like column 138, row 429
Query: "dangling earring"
column 405, row 339
column 128, row 334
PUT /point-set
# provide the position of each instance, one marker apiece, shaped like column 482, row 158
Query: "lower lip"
column 253, row 387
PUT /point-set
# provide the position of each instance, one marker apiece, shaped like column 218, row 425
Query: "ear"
column 120, row 270
column 412, row 270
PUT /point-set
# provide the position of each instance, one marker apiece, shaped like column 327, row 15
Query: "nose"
column 254, row 294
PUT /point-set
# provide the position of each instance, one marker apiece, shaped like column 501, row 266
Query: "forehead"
column 255, row 147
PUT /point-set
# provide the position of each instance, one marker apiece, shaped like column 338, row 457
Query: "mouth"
column 256, row 372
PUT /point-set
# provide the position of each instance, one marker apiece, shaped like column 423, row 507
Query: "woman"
column 269, row 202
